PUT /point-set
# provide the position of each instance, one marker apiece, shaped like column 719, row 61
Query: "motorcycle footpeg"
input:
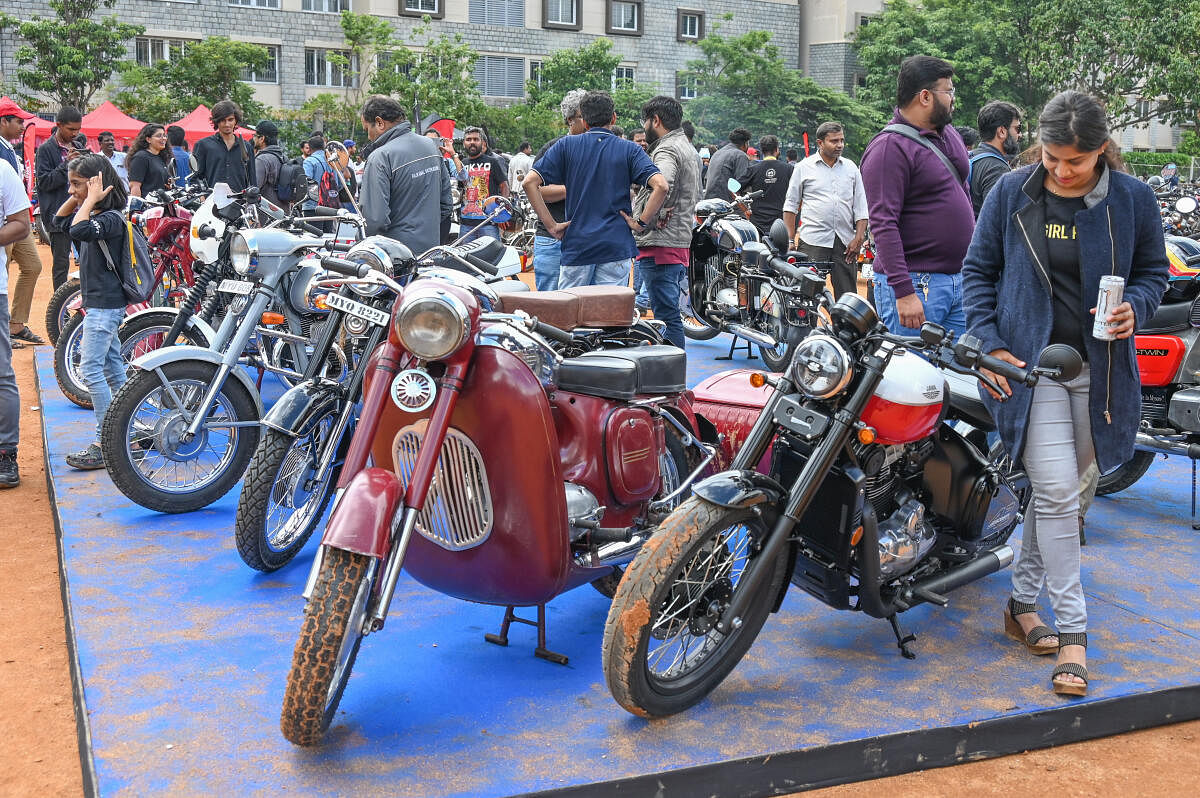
column 929, row 596
column 604, row 534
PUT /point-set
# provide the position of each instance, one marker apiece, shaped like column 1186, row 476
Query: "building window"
column 561, row 14
column 862, row 20
column 320, row 71
column 269, row 72
column 689, row 25
column 325, row 6
column 622, row 76
column 256, row 4
column 686, row 86
column 388, row 62
column 625, row 17
column 420, row 8
column 499, row 76
column 1143, row 109
column 535, row 73
column 149, row 50
column 506, row 13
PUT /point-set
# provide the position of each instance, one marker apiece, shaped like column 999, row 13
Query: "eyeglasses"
column 951, row 92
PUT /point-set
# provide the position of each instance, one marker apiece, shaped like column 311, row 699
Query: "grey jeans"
column 10, row 400
column 1058, row 452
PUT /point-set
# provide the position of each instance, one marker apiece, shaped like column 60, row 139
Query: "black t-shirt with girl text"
column 1070, row 326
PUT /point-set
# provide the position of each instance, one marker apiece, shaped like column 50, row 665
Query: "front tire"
column 67, row 353
column 327, row 647
column 1124, row 475
column 279, row 507
column 57, row 312
column 141, row 437
column 673, row 594
column 146, row 332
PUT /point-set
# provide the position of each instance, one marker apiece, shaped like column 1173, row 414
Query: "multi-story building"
column 826, row 52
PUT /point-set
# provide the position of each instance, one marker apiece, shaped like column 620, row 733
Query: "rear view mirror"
column 778, row 236
column 733, row 185
column 1063, row 358
column 1185, row 205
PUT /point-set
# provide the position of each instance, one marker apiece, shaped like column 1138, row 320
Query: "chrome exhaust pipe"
column 620, row 553
column 1148, row 443
column 754, row 336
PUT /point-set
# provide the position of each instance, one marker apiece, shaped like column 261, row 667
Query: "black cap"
column 266, row 128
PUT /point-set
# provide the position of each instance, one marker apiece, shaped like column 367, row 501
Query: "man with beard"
column 999, row 129
column 485, row 174
column 919, row 209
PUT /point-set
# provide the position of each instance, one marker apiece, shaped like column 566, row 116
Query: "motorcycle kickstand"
column 734, row 344
column 541, row 650
column 902, row 640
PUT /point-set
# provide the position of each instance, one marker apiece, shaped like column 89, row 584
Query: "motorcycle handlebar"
column 322, row 210
column 786, row 269
column 308, row 228
column 346, row 267
column 206, row 231
column 338, row 246
column 1007, row 370
column 548, row 331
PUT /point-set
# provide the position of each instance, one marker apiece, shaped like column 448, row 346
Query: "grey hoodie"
column 405, row 190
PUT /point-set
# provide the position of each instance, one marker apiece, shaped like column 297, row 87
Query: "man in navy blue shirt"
column 597, row 168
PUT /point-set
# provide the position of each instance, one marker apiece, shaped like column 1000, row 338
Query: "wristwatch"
column 642, row 224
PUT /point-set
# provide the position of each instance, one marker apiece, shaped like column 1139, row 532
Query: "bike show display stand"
column 180, row 652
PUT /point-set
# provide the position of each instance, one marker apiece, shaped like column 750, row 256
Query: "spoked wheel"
column 1124, row 475
column 662, row 651
column 148, row 331
column 695, row 326
column 67, row 355
column 282, row 498
column 778, row 357
column 58, row 312
column 147, row 453
column 330, row 635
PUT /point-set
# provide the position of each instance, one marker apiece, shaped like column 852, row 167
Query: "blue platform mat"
column 183, row 652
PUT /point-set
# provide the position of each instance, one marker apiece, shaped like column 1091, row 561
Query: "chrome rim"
column 684, row 633
column 295, row 494
column 146, row 340
column 73, row 357
column 153, row 438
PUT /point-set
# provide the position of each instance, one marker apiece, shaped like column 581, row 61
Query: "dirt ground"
column 40, row 755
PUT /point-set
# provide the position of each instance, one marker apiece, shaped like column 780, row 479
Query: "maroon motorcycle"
column 503, row 472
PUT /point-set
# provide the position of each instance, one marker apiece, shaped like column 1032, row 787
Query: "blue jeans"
column 662, row 282
column 547, row 260
column 642, row 293
column 612, row 273
column 100, row 363
column 489, row 230
column 941, row 294
column 10, row 400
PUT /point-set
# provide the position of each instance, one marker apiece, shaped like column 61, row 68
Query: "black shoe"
column 88, row 460
column 27, row 335
column 9, row 476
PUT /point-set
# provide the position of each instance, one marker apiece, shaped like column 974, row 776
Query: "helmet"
column 1155, row 182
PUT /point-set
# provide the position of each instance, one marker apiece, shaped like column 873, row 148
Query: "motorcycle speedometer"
column 432, row 326
column 820, row 366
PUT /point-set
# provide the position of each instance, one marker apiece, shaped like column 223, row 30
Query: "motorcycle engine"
column 582, row 505
column 904, row 538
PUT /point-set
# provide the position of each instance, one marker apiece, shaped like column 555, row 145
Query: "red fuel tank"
column 1158, row 358
column 908, row 402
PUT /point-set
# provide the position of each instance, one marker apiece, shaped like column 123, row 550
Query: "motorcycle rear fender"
column 362, row 520
column 193, row 322
column 172, row 354
column 739, row 489
column 299, row 405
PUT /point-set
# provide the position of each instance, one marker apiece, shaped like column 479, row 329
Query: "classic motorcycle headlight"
column 242, row 256
column 377, row 259
column 820, row 366
column 432, row 326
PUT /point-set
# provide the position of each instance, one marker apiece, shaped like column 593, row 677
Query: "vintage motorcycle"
column 503, row 472
column 870, row 500
column 753, row 299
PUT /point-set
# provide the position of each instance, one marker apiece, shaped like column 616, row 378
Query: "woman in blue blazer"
column 1046, row 235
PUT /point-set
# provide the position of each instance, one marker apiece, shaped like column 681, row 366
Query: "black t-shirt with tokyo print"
column 484, row 176
column 1070, row 325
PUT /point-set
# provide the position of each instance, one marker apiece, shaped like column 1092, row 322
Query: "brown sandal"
column 1033, row 639
column 1074, row 668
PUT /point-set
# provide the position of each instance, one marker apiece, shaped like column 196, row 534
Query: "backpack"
column 136, row 269
column 330, row 189
column 291, row 183
column 980, row 157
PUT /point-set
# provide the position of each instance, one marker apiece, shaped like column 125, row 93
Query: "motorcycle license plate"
column 240, row 287
column 357, row 309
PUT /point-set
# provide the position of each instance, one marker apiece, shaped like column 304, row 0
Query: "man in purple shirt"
column 919, row 209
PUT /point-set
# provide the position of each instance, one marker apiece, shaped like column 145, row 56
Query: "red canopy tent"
column 198, row 124
column 111, row 118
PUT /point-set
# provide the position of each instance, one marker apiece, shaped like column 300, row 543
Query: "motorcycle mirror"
column 193, row 163
column 1063, row 358
column 498, row 203
column 854, row 311
column 733, row 185
column 778, row 236
column 1185, row 205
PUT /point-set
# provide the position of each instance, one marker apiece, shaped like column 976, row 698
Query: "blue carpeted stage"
column 182, row 652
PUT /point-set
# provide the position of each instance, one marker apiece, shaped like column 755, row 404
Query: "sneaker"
column 87, row 460
column 27, row 335
column 9, row 476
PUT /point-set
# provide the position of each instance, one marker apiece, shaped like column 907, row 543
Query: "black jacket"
column 218, row 164
column 50, row 171
column 100, row 285
column 986, row 171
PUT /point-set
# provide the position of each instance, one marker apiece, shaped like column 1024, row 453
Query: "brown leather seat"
column 604, row 305
column 556, row 308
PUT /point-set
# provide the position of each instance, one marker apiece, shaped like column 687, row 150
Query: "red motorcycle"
column 504, row 474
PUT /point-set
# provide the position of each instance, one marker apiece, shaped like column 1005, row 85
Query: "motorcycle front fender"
column 362, row 520
column 299, row 405
column 739, row 489
column 194, row 322
column 171, row 354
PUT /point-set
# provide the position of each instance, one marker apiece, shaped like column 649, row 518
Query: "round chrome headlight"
column 432, row 326
column 241, row 254
column 374, row 257
column 820, row 366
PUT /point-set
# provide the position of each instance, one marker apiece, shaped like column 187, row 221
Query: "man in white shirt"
column 520, row 165
column 108, row 148
column 14, row 226
column 826, row 190
column 23, row 253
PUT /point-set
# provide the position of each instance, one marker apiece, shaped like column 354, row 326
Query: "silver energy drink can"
column 1112, row 293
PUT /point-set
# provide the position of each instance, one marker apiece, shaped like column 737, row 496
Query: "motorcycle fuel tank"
column 732, row 404
column 1159, row 358
column 908, row 402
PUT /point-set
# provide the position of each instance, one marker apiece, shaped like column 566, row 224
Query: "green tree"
column 208, row 71
column 430, row 74
column 590, row 67
column 71, row 57
column 368, row 38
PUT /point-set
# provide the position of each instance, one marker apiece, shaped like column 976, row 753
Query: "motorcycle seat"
column 625, row 373
column 485, row 248
column 567, row 309
column 508, row 287
column 1168, row 318
column 966, row 402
